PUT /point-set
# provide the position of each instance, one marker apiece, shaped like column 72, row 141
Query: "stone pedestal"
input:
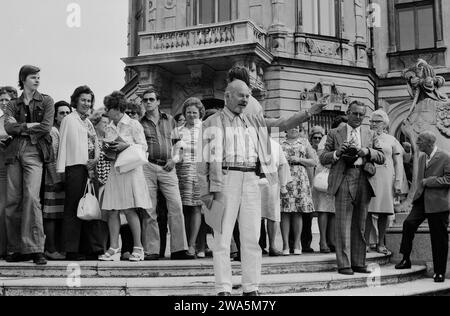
column 421, row 253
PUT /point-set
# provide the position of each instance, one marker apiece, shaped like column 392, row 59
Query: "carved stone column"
column 278, row 31
column 392, row 26
column 151, row 10
column 438, row 21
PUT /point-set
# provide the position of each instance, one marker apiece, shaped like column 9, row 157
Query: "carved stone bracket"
column 337, row 98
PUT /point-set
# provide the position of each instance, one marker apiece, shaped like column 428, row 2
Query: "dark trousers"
column 306, row 236
column 162, row 212
column 438, row 224
column 84, row 237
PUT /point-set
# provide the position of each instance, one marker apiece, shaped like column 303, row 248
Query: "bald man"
column 431, row 201
column 236, row 146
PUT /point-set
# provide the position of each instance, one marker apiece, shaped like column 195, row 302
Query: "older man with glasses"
column 352, row 152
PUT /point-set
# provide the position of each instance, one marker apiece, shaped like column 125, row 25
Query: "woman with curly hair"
column 124, row 192
column 77, row 158
column 193, row 111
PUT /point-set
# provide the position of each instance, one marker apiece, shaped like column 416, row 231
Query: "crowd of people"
column 200, row 161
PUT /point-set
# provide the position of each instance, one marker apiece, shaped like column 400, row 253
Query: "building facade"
column 296, row 51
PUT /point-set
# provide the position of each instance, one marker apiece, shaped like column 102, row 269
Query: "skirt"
column 126, row 191
column 188, row 182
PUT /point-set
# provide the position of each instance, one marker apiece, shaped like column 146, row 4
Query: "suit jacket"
column 436, row 187
column 335, row 139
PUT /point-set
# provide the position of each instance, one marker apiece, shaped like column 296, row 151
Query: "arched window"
column 211, row 11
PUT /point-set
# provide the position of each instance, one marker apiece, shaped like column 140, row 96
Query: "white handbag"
column 131, row 158
column 88, row 207
column 321, row 180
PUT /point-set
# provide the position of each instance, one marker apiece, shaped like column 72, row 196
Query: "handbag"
column 88, row 207
column 321, row 180
column 131, row 158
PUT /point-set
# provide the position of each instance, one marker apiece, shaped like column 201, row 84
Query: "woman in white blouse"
column 77, row 157
column 124, row 192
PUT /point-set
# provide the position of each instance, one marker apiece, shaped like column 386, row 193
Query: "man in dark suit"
column 351, row 150
column 431, row 201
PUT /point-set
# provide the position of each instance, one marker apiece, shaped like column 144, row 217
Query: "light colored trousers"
column 167, row 182
column 24, row 222
column 242, row 199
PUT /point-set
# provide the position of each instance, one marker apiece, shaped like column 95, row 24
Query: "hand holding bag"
column 88, row 207
column 321, row 180
column 131, row 158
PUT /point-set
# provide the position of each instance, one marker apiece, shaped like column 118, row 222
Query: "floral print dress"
column 299, row 198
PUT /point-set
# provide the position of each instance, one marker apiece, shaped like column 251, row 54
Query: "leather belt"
column 158, row 162
column 241, row 169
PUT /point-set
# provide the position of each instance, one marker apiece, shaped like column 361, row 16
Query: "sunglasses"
column 130, row 113
column 148, row 100
column 318, row 138
column 64, row 113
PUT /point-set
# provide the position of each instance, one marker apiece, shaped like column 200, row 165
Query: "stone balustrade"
column 205, row 36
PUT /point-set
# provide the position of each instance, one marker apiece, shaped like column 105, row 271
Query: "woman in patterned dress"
column 54, row 194
column 298, row 199
column 193, row 111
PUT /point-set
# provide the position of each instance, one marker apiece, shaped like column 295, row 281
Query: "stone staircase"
column 295, row 275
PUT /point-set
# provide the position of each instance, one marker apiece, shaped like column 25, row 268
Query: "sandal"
column 384, row 250
column 137, row 256
column 111, row 255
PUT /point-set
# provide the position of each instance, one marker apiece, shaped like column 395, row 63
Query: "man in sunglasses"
column 161, row 134
column 351, row 150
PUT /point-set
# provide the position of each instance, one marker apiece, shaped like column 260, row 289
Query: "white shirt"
column 431, row 156
column 353, row 136
column 73, row 143
column 131, row 131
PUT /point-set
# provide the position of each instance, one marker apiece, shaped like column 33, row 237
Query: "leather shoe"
column 403, row 265
column 308, row 250
column 439, row 278
column 74, row 256
column 363, row 270
column 39, row 259
column 346, row 271
column 275, row 253
column 17, row 257
column 254, row 293
column 151, row 257
column 325, row 250
column 181, row 255
column 224, row 294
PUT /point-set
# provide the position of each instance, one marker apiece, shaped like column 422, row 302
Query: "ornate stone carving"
column 329, row 49
column 429, row 110
column 151, row 9
column 170, row 4
column 325, row 88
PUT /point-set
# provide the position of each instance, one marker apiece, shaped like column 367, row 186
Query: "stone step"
column 420, row 287
column 170, row 268
column 271, row 284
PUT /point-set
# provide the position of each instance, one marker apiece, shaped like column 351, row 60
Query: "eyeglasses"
column 358, row 114
column 148, row 100
column 64, row 113
column 376, row 122
column 317, row 138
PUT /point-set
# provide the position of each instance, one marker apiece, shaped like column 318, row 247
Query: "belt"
column 241, row 169
column 356, row 166
column 158, row 162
